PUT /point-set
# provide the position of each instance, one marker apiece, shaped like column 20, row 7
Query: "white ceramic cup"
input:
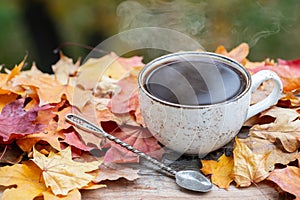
column 200, row 129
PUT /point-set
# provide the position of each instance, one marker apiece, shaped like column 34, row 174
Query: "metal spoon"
column 188, row 179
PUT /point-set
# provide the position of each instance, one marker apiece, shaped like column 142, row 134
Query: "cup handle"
column 257, row 80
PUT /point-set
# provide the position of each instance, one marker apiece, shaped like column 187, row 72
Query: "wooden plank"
column 153, row 186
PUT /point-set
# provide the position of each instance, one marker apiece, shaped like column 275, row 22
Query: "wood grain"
column 154, row 186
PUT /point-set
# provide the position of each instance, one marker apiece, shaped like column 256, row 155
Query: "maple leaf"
column 65, row 68
column 248, row 166
column 62, row 124
column 73, row 139
column 50, row 135
column 61, row 173
column 287, row 70
column 16, row 122
column 111, row 171
column 138, row 137
column 49, row 89
column 6, row 86
column 288, row 179
column 285, row 129
column 126, row 100
column 29, row 184
column 6, row 99
column 221, row 170
column 110, row 65
column 276, row 154
column 239, row 53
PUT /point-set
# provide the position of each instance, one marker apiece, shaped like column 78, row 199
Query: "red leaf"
column 287, row 70
column 126, row 100
column 16, row 122
column 138, row 137
column 288, row 179
column 74, row 140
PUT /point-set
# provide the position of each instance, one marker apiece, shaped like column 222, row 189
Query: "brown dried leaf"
column 248, row 166
column 285, row 130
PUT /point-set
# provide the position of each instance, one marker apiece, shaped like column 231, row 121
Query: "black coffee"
column 196, row 82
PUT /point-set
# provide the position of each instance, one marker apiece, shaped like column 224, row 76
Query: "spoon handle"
column 90, row 127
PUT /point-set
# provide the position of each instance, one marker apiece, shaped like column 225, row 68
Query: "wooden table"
column 155, row 186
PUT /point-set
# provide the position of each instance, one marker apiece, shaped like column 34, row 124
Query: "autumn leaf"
column 127, row 99
column 62, row 124
column 74, row 140
column 221, row 170
column 23, row 181
column 61, row 173
column 288, row 71
column 288, row 179
column 239, row 53
column 6, row 99
column 285, row 129
column 138, row 137
column 6, row 86
column 276, row 154
column 109, row 65
column 65, row 68
column 44, row 83
column 248, row 166
column 16, row 122
column 50, row 135
column 110, row 171
column 289, row 100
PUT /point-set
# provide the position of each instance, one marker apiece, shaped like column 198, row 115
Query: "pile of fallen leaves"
column 44, row 156
column 270, row 152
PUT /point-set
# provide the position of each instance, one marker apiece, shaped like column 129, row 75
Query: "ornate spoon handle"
column 92, row 128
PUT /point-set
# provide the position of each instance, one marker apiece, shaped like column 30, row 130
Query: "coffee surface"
column 195, row 82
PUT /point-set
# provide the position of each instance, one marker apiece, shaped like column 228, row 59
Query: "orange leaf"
column 61, row 173
column 248, row 166
column 221, row 170
column 288, row 179
column 49, row 89
column 239, row 53
column 50, row 135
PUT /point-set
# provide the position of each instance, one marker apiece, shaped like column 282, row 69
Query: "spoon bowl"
column 188, row 179
column 193, row 180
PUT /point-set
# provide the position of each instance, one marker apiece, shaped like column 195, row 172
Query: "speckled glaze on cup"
column 200, row 129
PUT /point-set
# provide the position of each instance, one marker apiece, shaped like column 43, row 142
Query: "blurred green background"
column 37, row 27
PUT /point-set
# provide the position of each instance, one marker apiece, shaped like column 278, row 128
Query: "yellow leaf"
column 24, row 181
column 248, row 166
column 221, row 170
column 61, row 173
column 27, row 179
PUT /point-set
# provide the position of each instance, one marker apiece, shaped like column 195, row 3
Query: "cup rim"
column 157, row 61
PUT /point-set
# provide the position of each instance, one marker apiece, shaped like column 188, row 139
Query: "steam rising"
column 184, row 20
column 183, row 16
